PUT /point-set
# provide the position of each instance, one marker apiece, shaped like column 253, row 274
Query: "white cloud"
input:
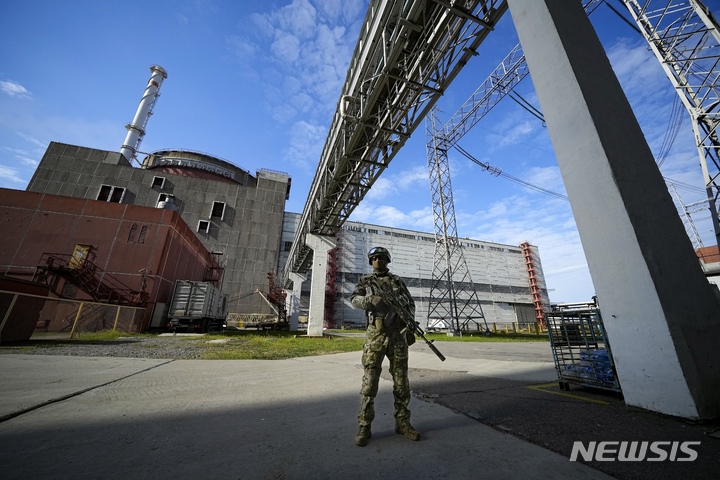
column 543, row 221
column 7, row 173
column 23, row 156
column 309, row 41
column 14, row 89
column 28, row 161
column 382, row 188
column 16, row 151
column 637, row 67
column 347, row 10
column 517, row 132
column 33, row 140
column 299, row 18
column 283, row 113
column 390, row 184
column 286, row 47
column 305, row 144
column 412, row 178
column 242, row 48
column 548, row 178
column 419, row 220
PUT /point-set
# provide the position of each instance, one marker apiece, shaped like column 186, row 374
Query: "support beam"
column 661, row 316
column 294, row 300
column 320, row 245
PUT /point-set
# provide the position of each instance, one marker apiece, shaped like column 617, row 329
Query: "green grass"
column 493, row 337
column 275, row 346
column 475, row 337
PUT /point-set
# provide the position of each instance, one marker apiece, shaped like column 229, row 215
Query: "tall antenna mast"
column 136, row 129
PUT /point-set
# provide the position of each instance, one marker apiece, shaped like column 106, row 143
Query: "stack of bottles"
column 594, row 366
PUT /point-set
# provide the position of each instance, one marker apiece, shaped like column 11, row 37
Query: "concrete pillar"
column 661, row 317
column 294, row 301
column 321, row 245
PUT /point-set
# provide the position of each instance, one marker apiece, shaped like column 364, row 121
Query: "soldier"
column 384, row 337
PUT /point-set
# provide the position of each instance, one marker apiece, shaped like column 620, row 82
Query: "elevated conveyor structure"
column 407, row 54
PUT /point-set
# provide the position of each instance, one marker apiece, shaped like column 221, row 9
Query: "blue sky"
column 257, row 83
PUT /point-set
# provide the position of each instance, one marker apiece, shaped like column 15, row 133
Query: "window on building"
column 166, row 197
column 133, row 231
column 203, row 226
column 287, row 246
column 109, row 193
column 158, row 182
column 218, row 210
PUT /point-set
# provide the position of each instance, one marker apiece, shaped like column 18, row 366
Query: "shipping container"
column 197, row 306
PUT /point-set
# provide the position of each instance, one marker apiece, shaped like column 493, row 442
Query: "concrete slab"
column 29, row 381
column 531, row 362
column 289, row 419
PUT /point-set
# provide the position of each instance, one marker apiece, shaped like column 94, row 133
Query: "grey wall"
column 248, row 234
column 498, row 271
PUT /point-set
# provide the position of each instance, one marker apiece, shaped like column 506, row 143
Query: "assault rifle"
column 401, row 307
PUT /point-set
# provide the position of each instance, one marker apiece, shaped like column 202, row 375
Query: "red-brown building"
column 138, row 249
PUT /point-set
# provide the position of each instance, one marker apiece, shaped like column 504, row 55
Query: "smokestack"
column 136, row 129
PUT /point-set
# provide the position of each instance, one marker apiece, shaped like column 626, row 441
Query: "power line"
column 527, row 106
column 686, row 186
column 632, row 25
column 671, row 133
column 498, row 172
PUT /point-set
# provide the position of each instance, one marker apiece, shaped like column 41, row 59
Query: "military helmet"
column 378, row 252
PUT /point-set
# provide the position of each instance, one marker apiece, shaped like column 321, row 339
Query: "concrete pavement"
column 122, row 418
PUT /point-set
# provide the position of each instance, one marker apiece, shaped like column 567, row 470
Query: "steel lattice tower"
column 453, row 300
column 685, row 38
column 685, row 215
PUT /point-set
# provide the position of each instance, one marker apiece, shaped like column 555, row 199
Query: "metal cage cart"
column 580, row 348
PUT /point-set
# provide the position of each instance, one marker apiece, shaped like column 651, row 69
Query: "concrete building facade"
column 239, row 221
column 235, row 215
column 499, row 272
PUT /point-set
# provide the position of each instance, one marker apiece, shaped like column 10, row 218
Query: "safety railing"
column 24, row 315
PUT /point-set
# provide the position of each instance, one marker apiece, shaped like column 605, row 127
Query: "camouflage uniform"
column 383, row 338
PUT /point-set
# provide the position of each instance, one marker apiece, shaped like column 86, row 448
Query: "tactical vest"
column 388, row 320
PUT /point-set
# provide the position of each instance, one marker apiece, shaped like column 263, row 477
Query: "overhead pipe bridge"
column 408, row 53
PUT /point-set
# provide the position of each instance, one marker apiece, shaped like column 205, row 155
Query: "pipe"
column 136, row 129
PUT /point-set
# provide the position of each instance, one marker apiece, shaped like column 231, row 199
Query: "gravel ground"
column 170, row 347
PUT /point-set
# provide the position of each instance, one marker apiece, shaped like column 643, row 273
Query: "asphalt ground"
column 492, row 410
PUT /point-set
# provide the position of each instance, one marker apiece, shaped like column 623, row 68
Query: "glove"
column 375, row 303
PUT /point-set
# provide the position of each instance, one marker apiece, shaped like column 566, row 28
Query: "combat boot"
column 404, row 428
column 363, row 435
